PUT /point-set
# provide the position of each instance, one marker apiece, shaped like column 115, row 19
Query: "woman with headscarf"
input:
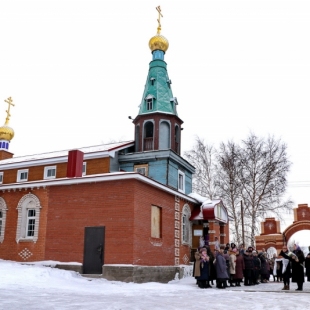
column 238, row 276
column 221, row 269
column 201, row 271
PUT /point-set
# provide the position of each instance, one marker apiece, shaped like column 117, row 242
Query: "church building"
column 123, row 210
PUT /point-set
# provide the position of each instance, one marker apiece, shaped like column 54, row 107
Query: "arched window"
column 186, row 225
column 177, row 139
column 3, row 210
column 164, row 135
column 28, row 218
column 148, row 136
column 137, row 138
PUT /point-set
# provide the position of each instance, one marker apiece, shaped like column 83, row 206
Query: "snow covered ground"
column 38, row 287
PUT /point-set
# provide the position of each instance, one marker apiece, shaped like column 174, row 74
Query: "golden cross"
column 159, row 15
column 9, row 101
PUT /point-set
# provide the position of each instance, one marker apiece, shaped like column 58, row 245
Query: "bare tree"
column 202, row 157
column 264, row 167
column 254, row 171
column 229, row 186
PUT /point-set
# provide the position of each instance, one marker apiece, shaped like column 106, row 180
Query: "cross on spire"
column 159, row 15
column 9, row 101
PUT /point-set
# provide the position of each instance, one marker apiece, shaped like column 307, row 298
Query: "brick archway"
column 295, row 227
column 271, row 235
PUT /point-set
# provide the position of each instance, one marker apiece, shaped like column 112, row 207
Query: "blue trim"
column 158, row 55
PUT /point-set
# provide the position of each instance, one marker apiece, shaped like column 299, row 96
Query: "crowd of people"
column 231, row 265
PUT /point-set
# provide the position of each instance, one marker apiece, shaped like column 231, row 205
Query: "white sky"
column 36, row 287
column 76, row 70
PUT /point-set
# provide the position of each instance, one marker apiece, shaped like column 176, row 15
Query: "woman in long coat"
column 307, row 265
column 201, row 272
column 238, row 276
column 297, row 258
column 232, row 266
column 212, row 271
column 221, row 268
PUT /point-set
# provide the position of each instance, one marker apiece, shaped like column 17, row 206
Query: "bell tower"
column 157, row 126
column 157, row 152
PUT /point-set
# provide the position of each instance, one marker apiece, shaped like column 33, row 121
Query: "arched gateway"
column 271, row 236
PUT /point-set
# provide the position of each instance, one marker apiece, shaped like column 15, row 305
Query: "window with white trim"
column 28, row 218
column 50, row 172
column 1, row 177
column 181, row 181
column 149, row 104
column 22, row 175
column 186, row 225
column 142, row 169
column 3, row 210
column 30, row 222
column 84, row 168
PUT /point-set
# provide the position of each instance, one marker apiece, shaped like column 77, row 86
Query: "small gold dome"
column 6, row 133
column 158, row 42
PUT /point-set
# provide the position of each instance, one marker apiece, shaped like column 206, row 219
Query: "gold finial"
column 9, row 101
column 159, row 15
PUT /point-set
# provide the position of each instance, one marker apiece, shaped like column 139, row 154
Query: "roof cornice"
column 106, row 177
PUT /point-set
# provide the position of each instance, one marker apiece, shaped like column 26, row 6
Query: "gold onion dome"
column 158, row 42
column 6, row 133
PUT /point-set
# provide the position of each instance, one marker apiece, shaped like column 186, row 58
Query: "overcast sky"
column 76, row 70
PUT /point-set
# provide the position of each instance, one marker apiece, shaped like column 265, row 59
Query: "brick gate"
column 271, row 235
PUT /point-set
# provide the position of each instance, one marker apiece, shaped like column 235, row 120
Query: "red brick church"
column 84, row 205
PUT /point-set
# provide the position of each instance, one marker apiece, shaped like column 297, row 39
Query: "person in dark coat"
column 221, row 268
column 307, row 265
column 264, row 270
column 298, row 274
column 286, row 267
column 212, row 271
column 202, row 268
column 256, row 267
column 238, row 276
column 249, row 266
column 297, row 259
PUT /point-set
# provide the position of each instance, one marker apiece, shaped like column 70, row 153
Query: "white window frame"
column 1, row 177
column 84, row 168
column 29, row 223
column 46, row 171
column 181, row 187
column 142, row 169
column 186, row 225
column 27, row 202
column 19, row 174
column 3, row 209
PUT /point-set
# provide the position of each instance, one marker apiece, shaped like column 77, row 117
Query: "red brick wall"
column 123, row 207
column 9, row 249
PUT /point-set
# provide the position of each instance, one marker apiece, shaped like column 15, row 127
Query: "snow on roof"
column 200, row 198
column 86, row 150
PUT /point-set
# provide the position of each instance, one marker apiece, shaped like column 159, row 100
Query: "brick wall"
column 94, row 166
column 123, row 207
column 11, row 250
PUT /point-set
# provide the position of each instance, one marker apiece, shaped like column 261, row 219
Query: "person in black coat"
column 286, row 267
column 307, row 265
column 297, row 259
column 249, row 268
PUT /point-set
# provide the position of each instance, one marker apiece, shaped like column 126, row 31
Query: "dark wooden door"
column 93, row 250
